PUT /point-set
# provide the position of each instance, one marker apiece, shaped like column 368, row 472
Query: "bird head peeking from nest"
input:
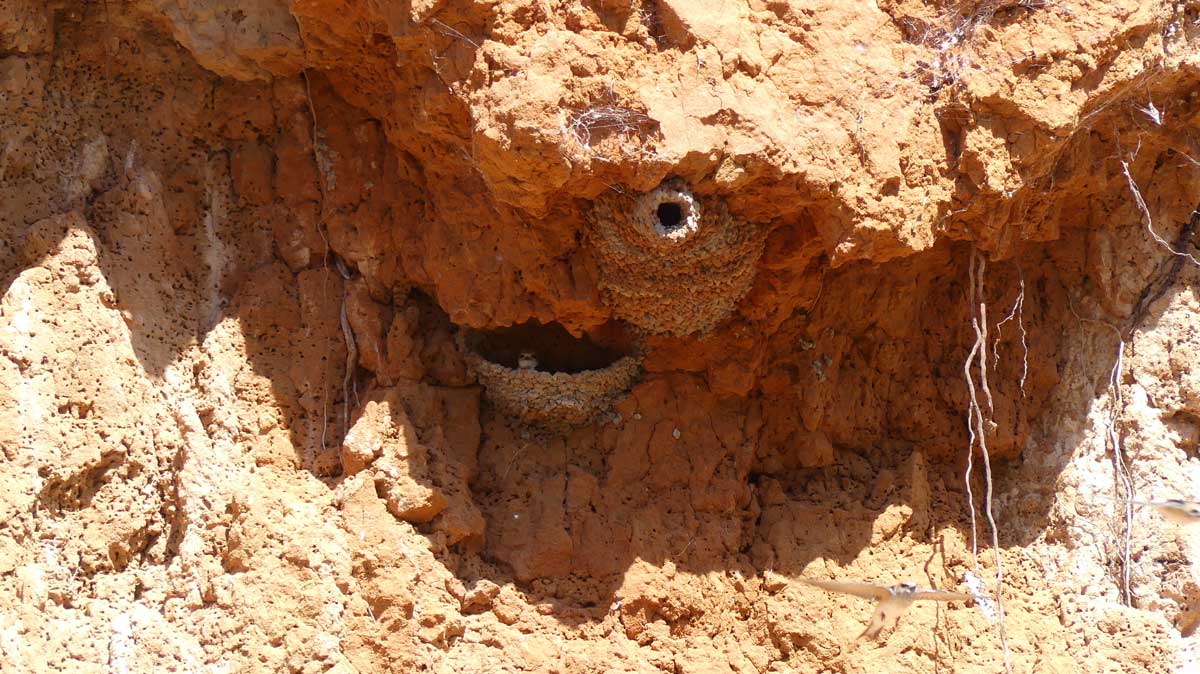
column 527, row 361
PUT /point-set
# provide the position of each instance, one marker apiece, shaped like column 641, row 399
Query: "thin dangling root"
column 979, row 426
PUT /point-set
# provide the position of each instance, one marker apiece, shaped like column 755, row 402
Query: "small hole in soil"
column 552, row 348
column 670, row 215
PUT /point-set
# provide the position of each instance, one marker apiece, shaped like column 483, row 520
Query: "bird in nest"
column 527, row 361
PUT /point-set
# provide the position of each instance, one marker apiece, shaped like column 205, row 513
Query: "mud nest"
column 545, row 377
column 670, row 264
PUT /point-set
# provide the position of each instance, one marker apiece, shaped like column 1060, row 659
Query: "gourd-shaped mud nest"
column 670, row 264
column 546, row 377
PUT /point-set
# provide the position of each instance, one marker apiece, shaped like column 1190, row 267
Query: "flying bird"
column 893, row 601
column 1174, row 510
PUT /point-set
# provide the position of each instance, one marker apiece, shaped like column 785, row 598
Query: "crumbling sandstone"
column 245, row 249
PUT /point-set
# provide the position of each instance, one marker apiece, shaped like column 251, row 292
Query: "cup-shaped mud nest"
column 544, row 376
column 670, row 264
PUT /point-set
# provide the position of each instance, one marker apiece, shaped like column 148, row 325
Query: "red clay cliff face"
column 248, row 252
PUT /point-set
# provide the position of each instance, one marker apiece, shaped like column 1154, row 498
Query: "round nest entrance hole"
column 545, row 376
column 670, row 216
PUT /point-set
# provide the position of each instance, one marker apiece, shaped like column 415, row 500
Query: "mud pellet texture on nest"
column 554, row 399
column 664, row 282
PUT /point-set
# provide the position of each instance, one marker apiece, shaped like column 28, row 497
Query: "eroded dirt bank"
column 566, row 336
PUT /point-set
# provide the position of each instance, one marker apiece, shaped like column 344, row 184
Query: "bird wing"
column 1157, row 503
column 888, row 612
column 1168, row 503
column 1164, row 503
column 1123, row 501
column 864, row 590
column 941, row 595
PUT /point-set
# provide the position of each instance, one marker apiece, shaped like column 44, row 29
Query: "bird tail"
column 871, row 633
